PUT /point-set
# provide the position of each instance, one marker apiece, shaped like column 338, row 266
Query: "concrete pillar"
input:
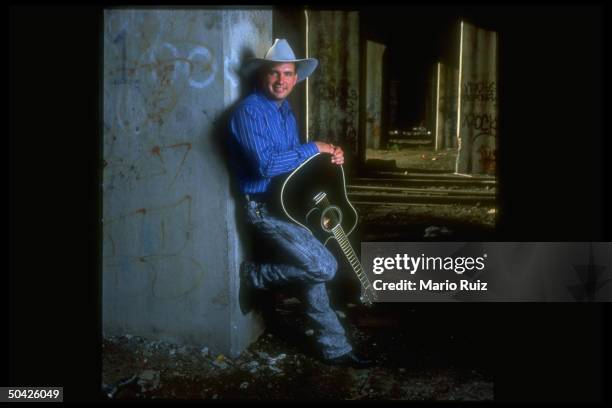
column 171, row 249
column 449, row 104
column 333, row 38
column 374, row 91
column 446, row 106
column 431, row 100
column 477, row 129
column 289, row 22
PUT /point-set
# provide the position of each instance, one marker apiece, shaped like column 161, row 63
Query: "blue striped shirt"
column 264, row 142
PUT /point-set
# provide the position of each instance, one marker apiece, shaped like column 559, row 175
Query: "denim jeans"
column 306, row 262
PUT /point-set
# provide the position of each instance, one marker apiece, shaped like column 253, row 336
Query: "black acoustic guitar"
column 314, row 196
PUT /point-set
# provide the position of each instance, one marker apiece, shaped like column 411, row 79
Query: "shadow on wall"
column 254, row 249
column 221, row 134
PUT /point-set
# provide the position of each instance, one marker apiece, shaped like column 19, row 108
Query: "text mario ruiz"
column 412, row 264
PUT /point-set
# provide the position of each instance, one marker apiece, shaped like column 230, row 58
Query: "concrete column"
column 171, row 248
column 374, row 83
column 446, row 106
column 449, row 103
column 431, row 100
column 289, row 22
column 334, row 87
column 477, row 130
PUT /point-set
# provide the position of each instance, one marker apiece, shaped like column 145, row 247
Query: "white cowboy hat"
column 281, row 52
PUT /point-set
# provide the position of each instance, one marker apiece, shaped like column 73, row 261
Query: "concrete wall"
column 374, row 94
column 289, row 22
column 431, row 94
column 446, row 106
column 477, row 129
column 171, row 246
column 334, row 87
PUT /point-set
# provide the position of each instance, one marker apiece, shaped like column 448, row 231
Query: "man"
column 264, row 144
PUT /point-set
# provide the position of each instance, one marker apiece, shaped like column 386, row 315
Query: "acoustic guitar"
column 314, row 196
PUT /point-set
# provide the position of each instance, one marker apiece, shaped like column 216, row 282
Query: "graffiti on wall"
column 487, row 158
column 479, row 91
column 157, row 79
column 167, row 161
column 478, row 127
column 146, row 76
column 481, row 124
column 482, row 130
column 159, row 254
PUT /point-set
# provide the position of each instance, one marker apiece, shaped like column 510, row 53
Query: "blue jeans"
column 306, row 262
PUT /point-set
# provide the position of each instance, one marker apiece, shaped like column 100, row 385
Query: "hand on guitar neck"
column 336, row 151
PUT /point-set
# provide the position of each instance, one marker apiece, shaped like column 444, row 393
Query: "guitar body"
column 302, row 200
column 314, row 196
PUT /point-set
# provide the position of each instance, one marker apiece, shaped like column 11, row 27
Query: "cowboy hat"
column 280, row 52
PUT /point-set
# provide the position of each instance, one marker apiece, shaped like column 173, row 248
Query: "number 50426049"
column 31, row 393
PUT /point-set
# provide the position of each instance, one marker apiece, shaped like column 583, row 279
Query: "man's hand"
column 336, row 151
column 337, row 155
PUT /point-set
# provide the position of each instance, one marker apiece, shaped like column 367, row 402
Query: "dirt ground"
column 416, row 157
column 416, row 222
column 426, row 222
column 421, row 351
column 409, row 365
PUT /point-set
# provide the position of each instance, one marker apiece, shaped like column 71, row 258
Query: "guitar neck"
column 347, row 249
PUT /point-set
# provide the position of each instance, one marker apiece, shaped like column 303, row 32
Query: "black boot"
column 349, row 359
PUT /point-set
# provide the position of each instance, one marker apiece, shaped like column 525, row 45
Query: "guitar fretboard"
column 346, row 247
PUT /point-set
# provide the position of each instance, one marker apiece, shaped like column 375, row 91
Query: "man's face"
column 278, row 80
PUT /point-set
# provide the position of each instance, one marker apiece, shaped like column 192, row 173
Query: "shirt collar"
column 283, row 108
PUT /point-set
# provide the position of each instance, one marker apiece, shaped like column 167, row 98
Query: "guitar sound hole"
column 327, row 223
column 330, row 218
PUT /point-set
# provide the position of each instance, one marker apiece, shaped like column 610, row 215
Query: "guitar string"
column 346, row 247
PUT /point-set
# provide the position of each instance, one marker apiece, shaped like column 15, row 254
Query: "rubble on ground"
column 272, row 368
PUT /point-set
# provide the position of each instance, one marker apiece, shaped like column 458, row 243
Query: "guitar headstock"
column 368, row 296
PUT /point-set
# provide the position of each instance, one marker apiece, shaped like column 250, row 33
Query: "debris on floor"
column 408, row 367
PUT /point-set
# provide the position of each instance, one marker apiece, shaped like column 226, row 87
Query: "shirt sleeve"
column 250, row 129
